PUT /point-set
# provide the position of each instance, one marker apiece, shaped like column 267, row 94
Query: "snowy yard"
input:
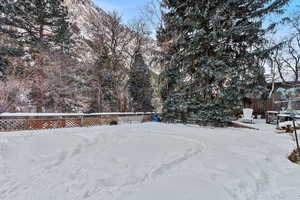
column 149, row 161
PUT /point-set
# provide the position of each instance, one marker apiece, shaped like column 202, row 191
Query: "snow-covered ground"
column 148, row 161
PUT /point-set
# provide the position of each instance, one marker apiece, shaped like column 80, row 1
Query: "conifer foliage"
column 38, row 24
column 140, row 88
column 212, row 50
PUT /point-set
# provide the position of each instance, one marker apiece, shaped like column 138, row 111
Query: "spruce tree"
column 140, row 88
column 212, row 48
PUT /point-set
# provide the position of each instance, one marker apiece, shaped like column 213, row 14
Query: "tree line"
column 212, row 54
column 42, row 64
column 215, row 54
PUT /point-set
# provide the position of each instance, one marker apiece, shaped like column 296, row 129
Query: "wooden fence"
column 19, row 121
column 260, row 107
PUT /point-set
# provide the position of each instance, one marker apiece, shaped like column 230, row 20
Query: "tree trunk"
column 39, row 101
column 273, row 79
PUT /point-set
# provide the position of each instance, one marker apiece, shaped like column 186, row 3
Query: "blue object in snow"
column 155, row 117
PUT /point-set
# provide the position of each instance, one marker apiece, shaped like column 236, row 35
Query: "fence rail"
column 23, row 121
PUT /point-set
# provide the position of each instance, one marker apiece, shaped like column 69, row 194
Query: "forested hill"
column 84, row 16
column 92, row 75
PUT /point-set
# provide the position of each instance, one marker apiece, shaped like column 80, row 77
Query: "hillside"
column 80, row 12
column 93, row 77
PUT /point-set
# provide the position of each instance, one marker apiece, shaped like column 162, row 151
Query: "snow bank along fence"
column 36, row 121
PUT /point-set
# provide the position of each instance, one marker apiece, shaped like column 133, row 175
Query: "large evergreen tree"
column 212, row 49
column 140, row 88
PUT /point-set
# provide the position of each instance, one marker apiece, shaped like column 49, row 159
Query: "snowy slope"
column 148, row 161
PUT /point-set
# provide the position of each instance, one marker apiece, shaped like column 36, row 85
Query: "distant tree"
column 3, row 66
column 102, row 84
column 284, row 61
column 140, row 88
column 37, row 26
column 115, row 43
column 5, row 102
column 64, row 84
column 152, row 14
column 12, row 92
column 8, row 49
column 288, row 60
column 212, row 56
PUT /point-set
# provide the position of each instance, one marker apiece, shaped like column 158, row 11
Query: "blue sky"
column 131, row 8
column 292, row 5
column 128, row 8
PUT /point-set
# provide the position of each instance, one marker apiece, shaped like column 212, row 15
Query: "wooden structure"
column 271, row 117
column 30, row 121
column 261, row 105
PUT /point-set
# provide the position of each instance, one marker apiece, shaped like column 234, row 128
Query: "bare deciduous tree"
column 290, row 59
column 12, row 94
column 4, row 100
column 116, row 43
column 152, row 13
column 287, row 58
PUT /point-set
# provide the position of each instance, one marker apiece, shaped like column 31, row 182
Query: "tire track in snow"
column 155, row 173
column 113, row 184
column 164, row 167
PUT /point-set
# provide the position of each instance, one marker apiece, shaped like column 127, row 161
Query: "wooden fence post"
column 296, row 137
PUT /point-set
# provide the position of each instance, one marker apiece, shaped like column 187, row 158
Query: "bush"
column 294, row 157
